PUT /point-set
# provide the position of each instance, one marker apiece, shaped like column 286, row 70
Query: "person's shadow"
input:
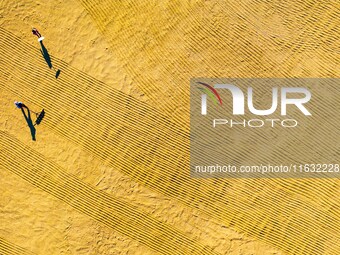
column 29, row 122
column 45, row 54
column 47, row 58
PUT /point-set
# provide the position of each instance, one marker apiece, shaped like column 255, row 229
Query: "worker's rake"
column 39, row 116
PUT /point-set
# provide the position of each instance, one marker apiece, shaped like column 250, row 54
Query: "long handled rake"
column 39, row 116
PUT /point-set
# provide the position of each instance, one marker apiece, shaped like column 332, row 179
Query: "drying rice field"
column 109, row 170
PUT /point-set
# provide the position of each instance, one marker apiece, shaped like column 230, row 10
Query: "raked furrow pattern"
column 140, row 141
column 108, row 210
